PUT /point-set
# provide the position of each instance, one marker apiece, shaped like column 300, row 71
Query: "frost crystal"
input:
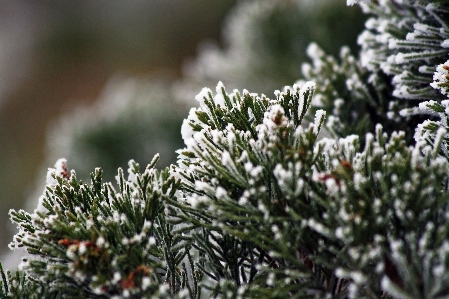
column 352, row 2
column 441, row 78
column 60, row 170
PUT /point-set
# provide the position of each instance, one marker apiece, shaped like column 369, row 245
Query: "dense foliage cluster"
column 317, row 192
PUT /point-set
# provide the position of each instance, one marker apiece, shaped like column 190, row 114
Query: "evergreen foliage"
column 262, row 203
column 407, row 40
column 355, row 106
column 101, row 241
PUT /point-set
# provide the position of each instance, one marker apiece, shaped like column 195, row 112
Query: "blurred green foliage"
column 133, row 118
column 265, row 44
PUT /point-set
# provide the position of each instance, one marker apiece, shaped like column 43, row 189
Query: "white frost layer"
column 59, row 169
column 352, row 2
column 186, row 129
column 441, row 78
column 202, row 95
column 218, row 98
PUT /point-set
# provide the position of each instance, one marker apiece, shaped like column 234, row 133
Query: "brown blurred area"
column 54, row 54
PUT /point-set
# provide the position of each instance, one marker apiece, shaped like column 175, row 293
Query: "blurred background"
column 103, row 82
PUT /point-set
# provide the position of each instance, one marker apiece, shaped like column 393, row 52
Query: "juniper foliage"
column 100, row 241
column 264, row 202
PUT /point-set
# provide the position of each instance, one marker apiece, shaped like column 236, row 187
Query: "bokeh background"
column 102, row 82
